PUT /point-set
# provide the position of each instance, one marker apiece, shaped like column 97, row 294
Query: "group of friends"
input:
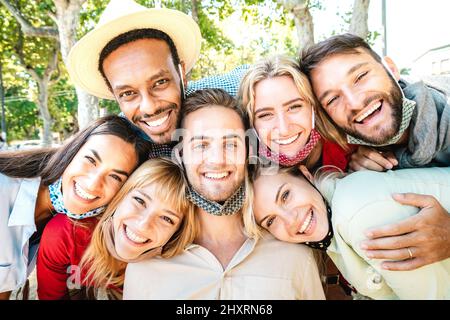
column 236, row 186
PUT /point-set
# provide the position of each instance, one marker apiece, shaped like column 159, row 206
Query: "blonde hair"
column 277, row 66
column 102, row 269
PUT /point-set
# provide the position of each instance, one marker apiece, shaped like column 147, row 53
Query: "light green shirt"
column 363, row 200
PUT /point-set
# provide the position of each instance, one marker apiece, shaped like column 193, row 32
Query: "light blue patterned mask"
column 56, row 198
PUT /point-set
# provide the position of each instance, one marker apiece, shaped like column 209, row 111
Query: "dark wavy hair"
column 50, row 163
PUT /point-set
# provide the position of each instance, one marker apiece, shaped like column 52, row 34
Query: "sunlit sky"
column 413, row 26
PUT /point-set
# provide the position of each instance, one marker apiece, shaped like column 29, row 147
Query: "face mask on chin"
column 408, row 107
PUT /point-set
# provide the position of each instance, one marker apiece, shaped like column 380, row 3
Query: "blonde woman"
column 284, row 113
column 336, row 219
column 149, row 216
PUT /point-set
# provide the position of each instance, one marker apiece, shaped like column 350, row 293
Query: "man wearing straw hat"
column 140, row 57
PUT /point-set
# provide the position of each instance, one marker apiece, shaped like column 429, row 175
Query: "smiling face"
column 97, row 172
column 283, row 118
column 147, row 86
column 290, row 208
column 142, row 222
column 359, row 95
column 214, row 152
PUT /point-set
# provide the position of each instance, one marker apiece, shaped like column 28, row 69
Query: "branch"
column 27, row 28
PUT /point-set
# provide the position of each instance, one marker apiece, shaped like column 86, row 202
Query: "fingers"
column 405, row 265
column 416, row 200
column 399, row 254
column 390, row 243
column 396, row 229
column 366, row 158
column 389, row 156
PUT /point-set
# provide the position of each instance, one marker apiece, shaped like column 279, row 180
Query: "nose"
column 290, row 219
column 283, row 124
column 149, row 104
column 95, row 181
column 215, row 155
column 354, row 101
column 148, row 220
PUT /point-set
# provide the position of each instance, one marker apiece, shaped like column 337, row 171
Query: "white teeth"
column 287, row 141
column 220, row 175
column 133, row 236
column 83, row 194
column 158, row 122
column 368, row 112
column 306, row 223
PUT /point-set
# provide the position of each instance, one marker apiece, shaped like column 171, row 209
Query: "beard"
column 383, row 134
column 166, row 136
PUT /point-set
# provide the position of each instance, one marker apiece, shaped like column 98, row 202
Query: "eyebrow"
column 349, row 72
column 150, row 199
column 276, row 200
column 230, row 136
column 157, row 75
column 97, row 156
column 283, row 104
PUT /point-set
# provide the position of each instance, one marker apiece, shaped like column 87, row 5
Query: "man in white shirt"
column 228, row 260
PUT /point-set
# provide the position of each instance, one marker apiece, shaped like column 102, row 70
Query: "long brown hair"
column 102, row 269
column 50, row 163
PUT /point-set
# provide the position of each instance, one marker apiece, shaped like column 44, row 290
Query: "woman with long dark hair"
column 77, row 179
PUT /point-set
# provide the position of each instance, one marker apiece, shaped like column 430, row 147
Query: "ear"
column 389, row 63
column 306, row 173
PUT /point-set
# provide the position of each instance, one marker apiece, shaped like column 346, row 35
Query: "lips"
column 158, row 121
column 133, row 237
column 287, row 141
column 217, row 175
column 308, row 223
column 83, row 194
column 369, row 112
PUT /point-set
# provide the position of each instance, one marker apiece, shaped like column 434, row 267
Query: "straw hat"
column 121, row 16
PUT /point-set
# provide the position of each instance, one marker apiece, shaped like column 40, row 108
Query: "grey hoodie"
column 429, row 130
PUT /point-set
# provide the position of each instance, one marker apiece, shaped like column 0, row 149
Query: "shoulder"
column 275, row 252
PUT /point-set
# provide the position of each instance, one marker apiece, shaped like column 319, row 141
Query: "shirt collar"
column 24, row 205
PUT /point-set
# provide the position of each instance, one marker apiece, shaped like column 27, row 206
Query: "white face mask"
column 407, row 112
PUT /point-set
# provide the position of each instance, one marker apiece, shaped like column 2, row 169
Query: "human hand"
column 367, row 158
column 414, row 242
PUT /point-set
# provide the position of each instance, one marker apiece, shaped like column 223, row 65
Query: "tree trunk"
column 195, row 10
column 66, row 18
column 2, row 101
column 359, row 23
column 47, row 137
column 303, row 21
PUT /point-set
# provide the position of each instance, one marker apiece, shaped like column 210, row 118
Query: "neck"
column 223, row 236
column 43, row 208
column 218, row 229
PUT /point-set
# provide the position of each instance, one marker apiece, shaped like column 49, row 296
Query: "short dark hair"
column 212, row 97
column 135, row 35
column 344, row 43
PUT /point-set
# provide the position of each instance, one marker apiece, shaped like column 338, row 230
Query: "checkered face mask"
column 287, row 161
column 407, row 112
column 56, row 198
column 231, row 205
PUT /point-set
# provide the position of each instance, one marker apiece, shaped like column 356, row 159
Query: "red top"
column 62, row 246
column 333, row 154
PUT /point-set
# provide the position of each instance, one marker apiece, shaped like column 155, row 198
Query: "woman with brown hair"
column 77, row 179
